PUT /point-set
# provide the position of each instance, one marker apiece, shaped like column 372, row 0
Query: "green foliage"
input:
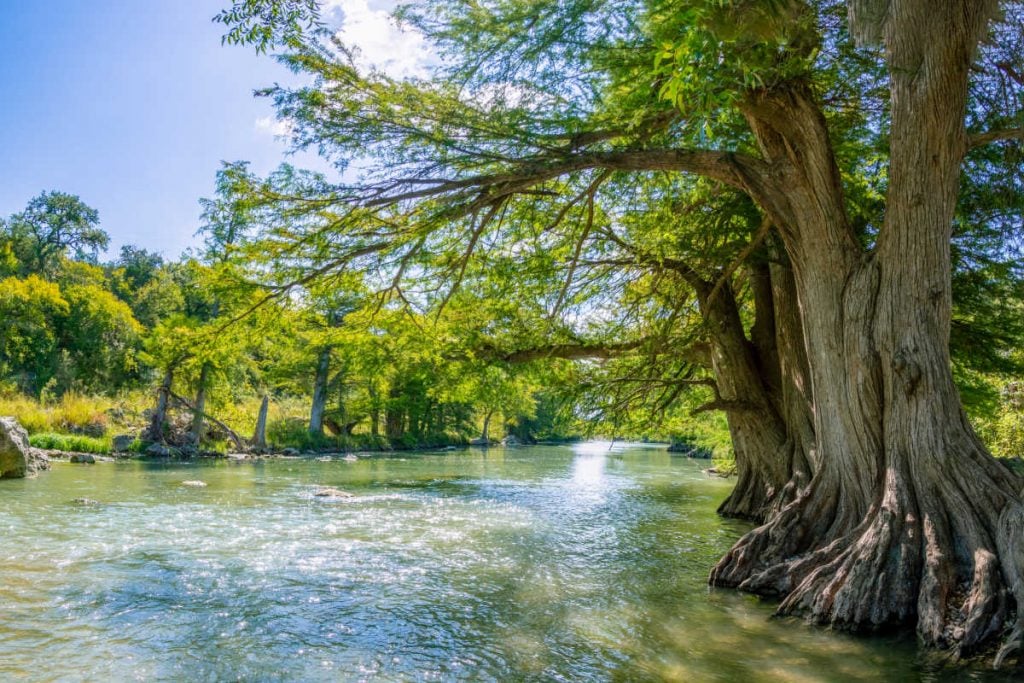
column 32, row 311
column 101, row 336
column 52, row 226
column 267, row 23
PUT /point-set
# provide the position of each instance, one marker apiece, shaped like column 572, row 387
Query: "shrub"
column 294, row 433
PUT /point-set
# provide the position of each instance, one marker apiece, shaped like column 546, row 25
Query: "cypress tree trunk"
column 259, row 438
column 907, row 519
column 319, row 404
column 155, row 432
column 374, row 411
column 487, row 425
column 756, row 380
column 199, row 414
column 394, row 416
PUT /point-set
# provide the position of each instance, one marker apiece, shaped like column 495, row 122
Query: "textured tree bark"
column 757, row 380
column 755, row 427
column 319, row 404
column 907, row 519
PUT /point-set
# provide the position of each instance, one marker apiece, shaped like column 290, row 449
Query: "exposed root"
column 944, row 553
column 1010, row 538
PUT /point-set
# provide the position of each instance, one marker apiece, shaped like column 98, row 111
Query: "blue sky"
column 132, row 106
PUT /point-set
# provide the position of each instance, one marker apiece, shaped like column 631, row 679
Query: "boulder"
column 83, row 458
column 122, row 442
column 290, row 452
column 17, row 458
column 194, row 483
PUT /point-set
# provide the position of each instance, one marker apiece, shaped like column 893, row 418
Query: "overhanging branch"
column 981, row 139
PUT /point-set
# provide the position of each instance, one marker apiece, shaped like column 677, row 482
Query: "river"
column 546, row 563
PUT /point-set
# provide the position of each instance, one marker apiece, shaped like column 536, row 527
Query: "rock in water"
column 194, row 484
column 17, row 458
column 328, row 492
column 84, row 458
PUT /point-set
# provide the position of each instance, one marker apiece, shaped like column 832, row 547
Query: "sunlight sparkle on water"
column 536, row 563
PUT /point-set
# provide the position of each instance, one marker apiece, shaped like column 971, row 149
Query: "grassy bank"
column 87, row 424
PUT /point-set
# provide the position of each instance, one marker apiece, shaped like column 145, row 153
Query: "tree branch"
column 579, row 351
column 230, row 432
column 981, row 139
column 726, row 167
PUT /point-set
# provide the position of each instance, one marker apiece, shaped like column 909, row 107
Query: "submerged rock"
column 194, row 483
column 86, row 502
column 17, row 458
column 83, row 458
column 328, row 492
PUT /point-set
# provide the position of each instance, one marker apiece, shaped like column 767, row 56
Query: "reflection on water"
column 540, row 563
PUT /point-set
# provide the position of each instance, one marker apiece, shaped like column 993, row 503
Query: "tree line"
column 193, row 337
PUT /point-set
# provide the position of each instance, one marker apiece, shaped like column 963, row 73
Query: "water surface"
column 535, row 564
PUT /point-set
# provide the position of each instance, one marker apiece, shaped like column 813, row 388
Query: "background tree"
column 54, row 225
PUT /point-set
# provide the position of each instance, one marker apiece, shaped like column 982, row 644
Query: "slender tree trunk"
column 199, row 415
column 487, row 425
column 374, row 411
column 155, row 432
column 394, row 416
column 319, row 404
column 259, row 438
column 907, row 519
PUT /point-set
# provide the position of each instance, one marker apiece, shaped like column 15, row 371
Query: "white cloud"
column 276, row 127
column 379, row 41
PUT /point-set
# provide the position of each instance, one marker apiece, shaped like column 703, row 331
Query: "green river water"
column 540, row 563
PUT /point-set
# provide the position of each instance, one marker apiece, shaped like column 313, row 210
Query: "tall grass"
column 73, row 413
column 32, row 416
column 70, row 442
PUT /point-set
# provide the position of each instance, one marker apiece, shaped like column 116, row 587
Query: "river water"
column 562, row 563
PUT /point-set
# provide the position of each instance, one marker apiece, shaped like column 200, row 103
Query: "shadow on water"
column 542, row 563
